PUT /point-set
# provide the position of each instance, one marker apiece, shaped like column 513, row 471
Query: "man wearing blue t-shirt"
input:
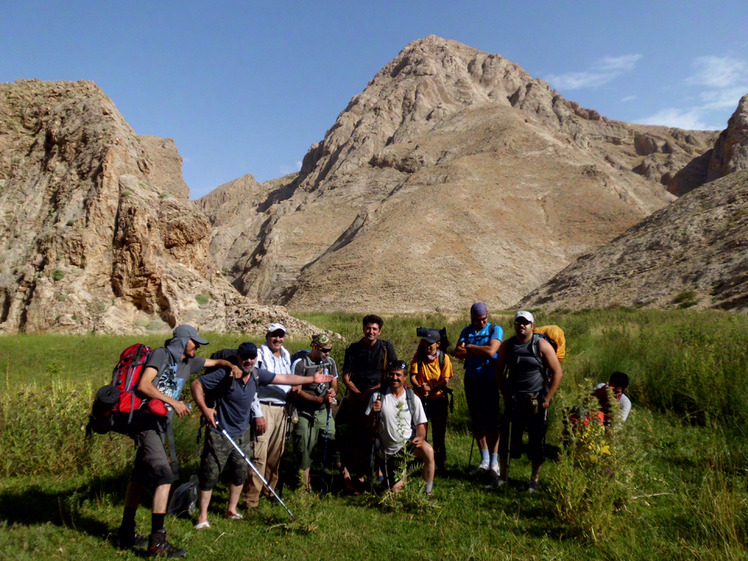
column 478, row 344
column 231, row 405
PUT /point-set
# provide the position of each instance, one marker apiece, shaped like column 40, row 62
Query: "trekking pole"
column 470, row 457
column 324, row 449
column 243, row 455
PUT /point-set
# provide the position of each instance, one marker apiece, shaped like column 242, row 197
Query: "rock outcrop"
column 97, row 232
column 454, row 176
column 731, row 149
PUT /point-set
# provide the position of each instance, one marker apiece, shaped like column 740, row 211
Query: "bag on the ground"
column 184, row 499
column 115, row 404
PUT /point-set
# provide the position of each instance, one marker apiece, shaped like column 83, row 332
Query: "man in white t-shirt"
column 400, row 423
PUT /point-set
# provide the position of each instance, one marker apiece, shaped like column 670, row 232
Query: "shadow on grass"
column 61, row 505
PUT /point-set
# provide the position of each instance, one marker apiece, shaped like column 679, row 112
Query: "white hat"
column 524, row 314
column 276, row 327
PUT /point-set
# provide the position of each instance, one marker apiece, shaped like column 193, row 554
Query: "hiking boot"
column 533, row 487
column 129, row 540
column 494, row 469
column 157, row 545
column 481, row 469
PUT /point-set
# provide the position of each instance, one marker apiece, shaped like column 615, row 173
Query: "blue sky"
column 247, row 87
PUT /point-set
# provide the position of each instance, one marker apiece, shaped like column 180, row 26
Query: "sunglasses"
column 522, row 322
column 326, row 351
column 397, row 365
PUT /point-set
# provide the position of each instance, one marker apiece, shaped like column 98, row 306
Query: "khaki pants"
column 268, row 449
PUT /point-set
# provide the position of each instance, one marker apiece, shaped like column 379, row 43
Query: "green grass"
column 674, row 487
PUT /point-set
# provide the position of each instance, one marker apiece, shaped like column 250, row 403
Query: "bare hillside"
column 454, row 176
column 692, row 253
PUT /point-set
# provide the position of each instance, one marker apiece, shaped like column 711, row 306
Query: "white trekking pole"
column 264, row 481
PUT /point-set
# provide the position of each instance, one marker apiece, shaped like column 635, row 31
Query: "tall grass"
column 675, row 480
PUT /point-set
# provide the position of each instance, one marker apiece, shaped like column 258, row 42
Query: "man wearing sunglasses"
column 478, row 344
column 528, row 374
column 313, row 403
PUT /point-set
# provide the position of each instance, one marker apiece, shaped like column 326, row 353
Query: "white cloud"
column 689, row 119
column 620, row 64
column 628, row 98
column 720, row 82
column 603, row 71
column 719, row 72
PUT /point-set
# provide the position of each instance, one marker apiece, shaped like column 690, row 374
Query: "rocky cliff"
column 453, row 177
column 97, row 232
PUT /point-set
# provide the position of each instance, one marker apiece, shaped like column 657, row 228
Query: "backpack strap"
column 409, row 398
column 536, row 337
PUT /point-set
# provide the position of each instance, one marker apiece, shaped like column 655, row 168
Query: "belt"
column 273, row 404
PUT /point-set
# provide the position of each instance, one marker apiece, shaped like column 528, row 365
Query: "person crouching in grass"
column 396, row 415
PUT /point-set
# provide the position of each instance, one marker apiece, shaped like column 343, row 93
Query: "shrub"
column 58, row 275
column 202, row 299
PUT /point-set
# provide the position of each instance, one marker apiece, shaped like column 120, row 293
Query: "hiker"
column 271, row 414
column 314, row 405
column 522, row 366
column 231, row 405
column 478, row 344
column 397, row 416
column 364, row 369
column 176, row 361
column 616, row 385
column 430, row 373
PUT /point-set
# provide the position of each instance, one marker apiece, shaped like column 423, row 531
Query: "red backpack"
column 116, row 403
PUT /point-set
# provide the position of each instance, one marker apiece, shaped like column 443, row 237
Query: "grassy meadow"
column 672, row 483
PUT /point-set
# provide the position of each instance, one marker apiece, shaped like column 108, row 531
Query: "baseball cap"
column 432, row 336
column 273, row 327
column 189, row 332
column 322, row 340
column 525, row 315
column 247, row 350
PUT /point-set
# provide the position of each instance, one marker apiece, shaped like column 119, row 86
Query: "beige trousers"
column 268, row 449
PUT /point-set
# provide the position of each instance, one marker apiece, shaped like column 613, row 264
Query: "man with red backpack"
column 164, row 375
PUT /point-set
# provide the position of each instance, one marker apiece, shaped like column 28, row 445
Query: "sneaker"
column 235, row 516
column 202, row 525
column 494, row 469
column 157, row 545
column 533, row 487
column 125, row 540
column 481, row 469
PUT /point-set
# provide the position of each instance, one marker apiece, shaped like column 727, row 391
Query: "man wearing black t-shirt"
column 364, row 370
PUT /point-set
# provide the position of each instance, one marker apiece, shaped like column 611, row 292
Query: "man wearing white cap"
column 522, row 368
column 270, row 415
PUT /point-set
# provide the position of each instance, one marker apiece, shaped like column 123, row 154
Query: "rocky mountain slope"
column 692, row 253
column 453, row 177
column 97, row 232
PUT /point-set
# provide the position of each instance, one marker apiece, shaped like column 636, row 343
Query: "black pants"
column 437, row 411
